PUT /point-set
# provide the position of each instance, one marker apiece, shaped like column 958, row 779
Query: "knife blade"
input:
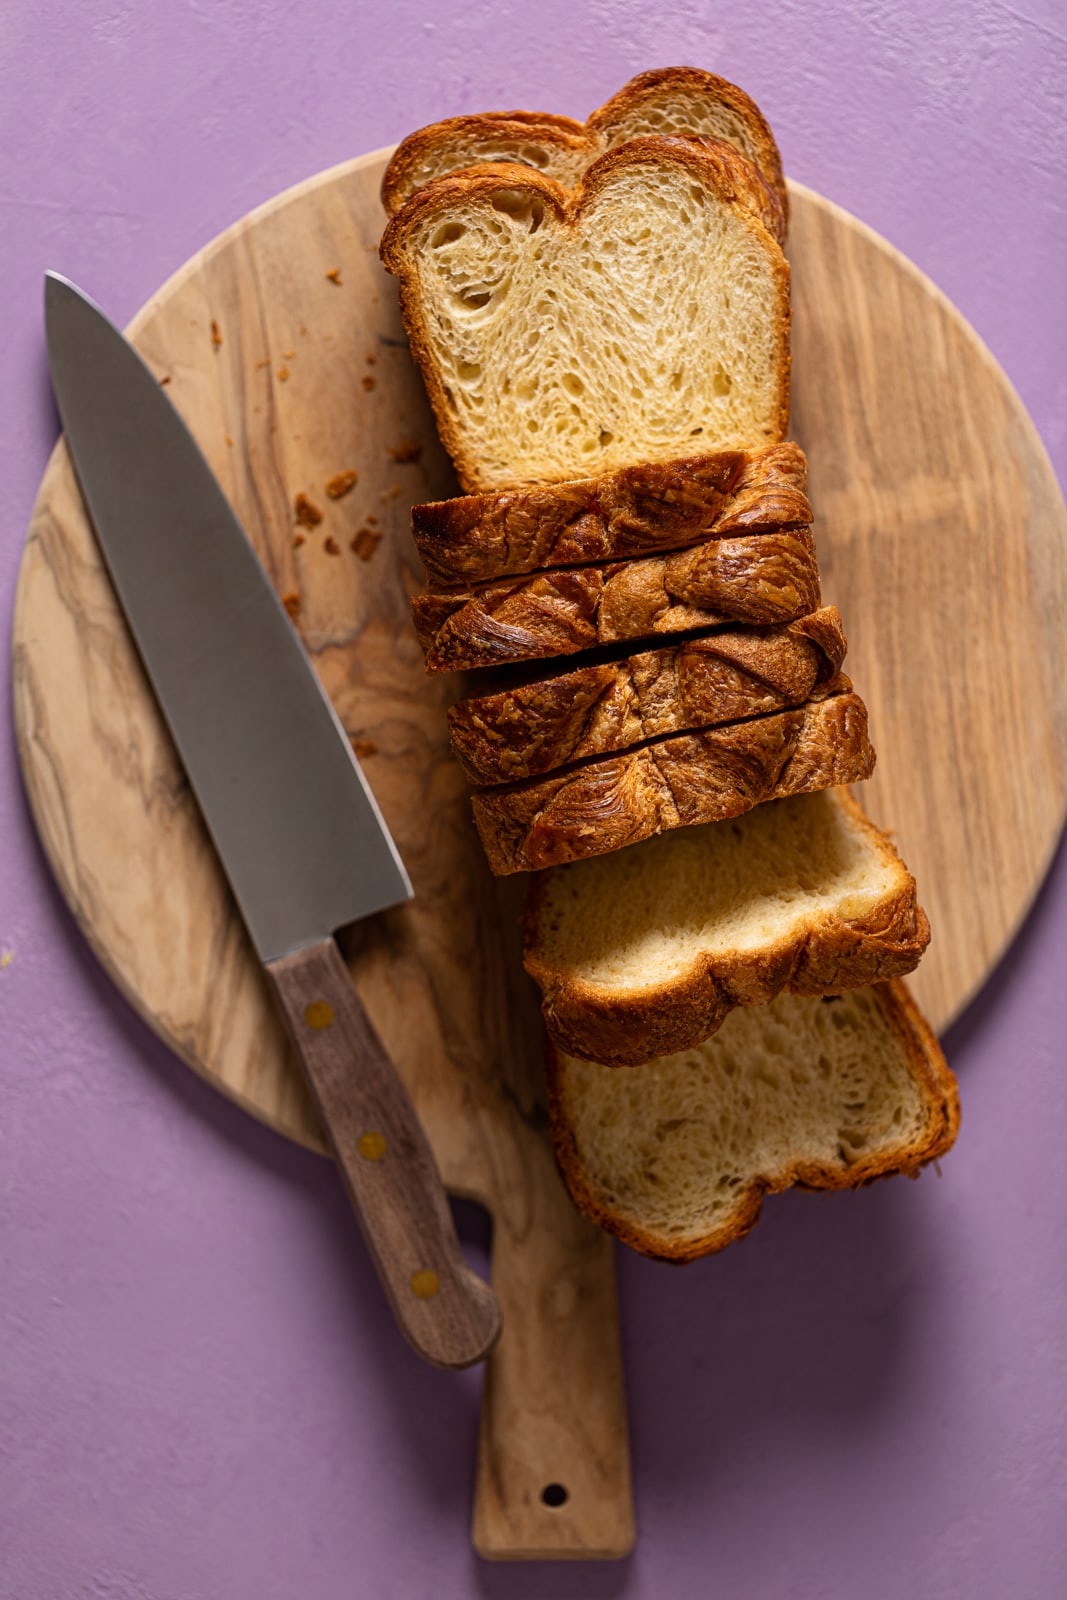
column 296, row 827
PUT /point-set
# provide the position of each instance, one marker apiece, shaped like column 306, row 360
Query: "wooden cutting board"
column 941, row 535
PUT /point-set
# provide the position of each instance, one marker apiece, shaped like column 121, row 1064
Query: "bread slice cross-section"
column 563, row 334
column 645, row 952
column 675, row 1157
column 670, row 100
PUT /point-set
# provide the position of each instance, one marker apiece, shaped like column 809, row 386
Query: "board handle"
column 447, row 1313
column 553, row 1477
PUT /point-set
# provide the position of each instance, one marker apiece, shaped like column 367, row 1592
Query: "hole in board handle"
column 554, row 1495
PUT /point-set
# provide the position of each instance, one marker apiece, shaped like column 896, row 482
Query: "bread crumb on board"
column 164, row 381
column 363, row 747
column 291, row 602
column 298, row 540
column 283, row 374
column 369, row 383
column 306, row 512
column 341, row 483
column 365, row 542
column 334, row 276
column 331, row 547
column 370, row 358
column 216, row 335
column 407, row 450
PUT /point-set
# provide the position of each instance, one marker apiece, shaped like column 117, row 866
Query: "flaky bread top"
column 636, row 511
column 608, row 803
column 535, row 727
column 668, row 100
column 761, row 579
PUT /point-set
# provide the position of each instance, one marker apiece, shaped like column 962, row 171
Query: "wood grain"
column 942, row 537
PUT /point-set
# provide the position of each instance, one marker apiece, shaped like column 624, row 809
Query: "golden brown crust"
column 636, row 511
column 928, row 1067
column 719, row 172
column 466, row 135
column 533, row 728
column 762, row 579
column 616, row 117
column 703, row 775
column 712, row 161
column 831, row 954
column 458, row 143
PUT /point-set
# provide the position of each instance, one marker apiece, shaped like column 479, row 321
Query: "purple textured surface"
column 200, row 1391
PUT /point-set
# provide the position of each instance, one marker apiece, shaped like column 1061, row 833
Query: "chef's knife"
column 296, row 827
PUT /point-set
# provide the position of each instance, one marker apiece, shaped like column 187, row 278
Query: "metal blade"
column 299, row 833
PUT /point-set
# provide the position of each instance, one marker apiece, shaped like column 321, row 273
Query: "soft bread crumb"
column 676, row 1155
column 306, row 512
column 342, row 483
column 724, row 887
column 649, row 323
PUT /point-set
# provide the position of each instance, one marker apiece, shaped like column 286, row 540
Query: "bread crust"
column 533, row 728
column 928, row 1068
column 762, row 579
column 636, row 511
column 457, row 141
column 718, row 167
column 614, row 118
column 704, row 775
column 829, row 955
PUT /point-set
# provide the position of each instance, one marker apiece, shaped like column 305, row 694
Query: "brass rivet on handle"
column 371, row 1146
column 319, row 1014
column 425, row 1283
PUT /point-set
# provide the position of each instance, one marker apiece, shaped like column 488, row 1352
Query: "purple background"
column 201, row 1393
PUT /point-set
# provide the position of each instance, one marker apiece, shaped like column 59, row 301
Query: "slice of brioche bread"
column 608, row 705
column 683, row 781
column 670, row 100
column 643, row 953
column 637, row 511
column 763, row 579
column 674, row 1159
column 562, row 333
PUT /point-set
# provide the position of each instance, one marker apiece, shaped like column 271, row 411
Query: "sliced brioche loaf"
column 675, row 1159
column 685, row 780
column 562, row 334
column 671, row 100
column 643, row 953
column 763, row 579
column 636, row 511
column 608, row 705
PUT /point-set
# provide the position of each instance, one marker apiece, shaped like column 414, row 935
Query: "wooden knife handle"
column 449, row 1315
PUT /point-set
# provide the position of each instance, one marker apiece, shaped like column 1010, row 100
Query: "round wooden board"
column 941, row 535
